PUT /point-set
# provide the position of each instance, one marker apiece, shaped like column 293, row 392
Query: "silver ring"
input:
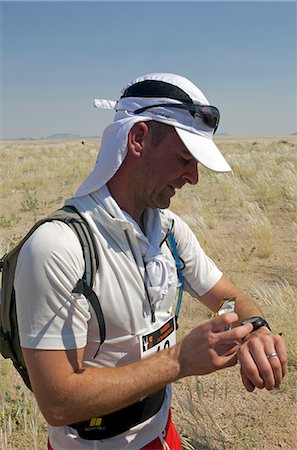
column 271, row 355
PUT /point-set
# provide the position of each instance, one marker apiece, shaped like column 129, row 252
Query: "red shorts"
column 171, row 438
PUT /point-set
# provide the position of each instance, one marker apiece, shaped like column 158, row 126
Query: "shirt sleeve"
column 49, row 265
column 200, row 272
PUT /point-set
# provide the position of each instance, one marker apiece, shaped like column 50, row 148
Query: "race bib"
column 160, row 339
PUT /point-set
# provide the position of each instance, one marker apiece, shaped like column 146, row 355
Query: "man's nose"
column 191, row 175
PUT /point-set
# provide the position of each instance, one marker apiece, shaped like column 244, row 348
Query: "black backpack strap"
column 81, row 227
column 84, row 285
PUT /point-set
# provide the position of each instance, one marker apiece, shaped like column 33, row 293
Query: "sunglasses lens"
column 211, row 116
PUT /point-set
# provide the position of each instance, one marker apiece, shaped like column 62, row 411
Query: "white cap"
column 158, row 88
column 150, row 90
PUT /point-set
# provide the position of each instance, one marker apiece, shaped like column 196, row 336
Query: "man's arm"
column 258, row 369
column 67, row 392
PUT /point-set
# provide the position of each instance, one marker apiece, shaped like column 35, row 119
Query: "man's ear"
column 137, row 139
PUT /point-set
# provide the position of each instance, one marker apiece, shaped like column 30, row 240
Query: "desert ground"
column 247, row 223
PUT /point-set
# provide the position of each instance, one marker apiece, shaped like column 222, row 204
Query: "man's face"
column 167, row 167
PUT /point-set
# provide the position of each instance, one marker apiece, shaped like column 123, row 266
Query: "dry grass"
column 247, row 223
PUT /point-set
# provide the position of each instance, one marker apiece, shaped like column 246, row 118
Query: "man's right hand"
column 208, row 347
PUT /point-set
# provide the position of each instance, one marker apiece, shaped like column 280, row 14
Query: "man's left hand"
column 263, row 360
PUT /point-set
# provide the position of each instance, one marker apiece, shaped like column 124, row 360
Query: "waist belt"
column 120, row 421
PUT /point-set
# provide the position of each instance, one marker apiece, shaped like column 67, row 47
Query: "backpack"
column 9, row 335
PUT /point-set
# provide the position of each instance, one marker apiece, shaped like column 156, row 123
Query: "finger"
column 218, row 324
column 250, row 369
column 227, row 349
column 235, row 334
column 278, row 362
column 280, row 348
column 269, row 368
column 246, row 382
column 276, row 368
column 227, row 360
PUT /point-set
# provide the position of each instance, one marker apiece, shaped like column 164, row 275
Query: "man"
column 162, row 128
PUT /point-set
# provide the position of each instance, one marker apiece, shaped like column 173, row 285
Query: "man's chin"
column 165, row 203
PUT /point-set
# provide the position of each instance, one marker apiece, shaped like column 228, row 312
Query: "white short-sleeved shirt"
column 52, row 317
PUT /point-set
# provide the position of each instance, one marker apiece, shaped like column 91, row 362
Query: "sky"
column 56, row 57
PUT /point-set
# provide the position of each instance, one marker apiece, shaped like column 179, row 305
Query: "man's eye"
column 184, row 161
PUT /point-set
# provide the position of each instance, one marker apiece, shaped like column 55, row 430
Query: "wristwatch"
column 257, row 323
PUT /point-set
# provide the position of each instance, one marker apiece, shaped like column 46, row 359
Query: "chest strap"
column 120, row 421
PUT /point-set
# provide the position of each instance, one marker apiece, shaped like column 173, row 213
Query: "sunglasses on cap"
column 210, row 115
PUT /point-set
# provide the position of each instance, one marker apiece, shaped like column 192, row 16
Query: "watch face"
column 257, row 322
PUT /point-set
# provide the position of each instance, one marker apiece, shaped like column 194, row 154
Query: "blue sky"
column 56, row 57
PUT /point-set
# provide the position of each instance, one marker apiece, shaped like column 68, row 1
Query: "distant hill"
column 223, row 134
column 61, row 136
column 21, row 139
column 294, row 134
